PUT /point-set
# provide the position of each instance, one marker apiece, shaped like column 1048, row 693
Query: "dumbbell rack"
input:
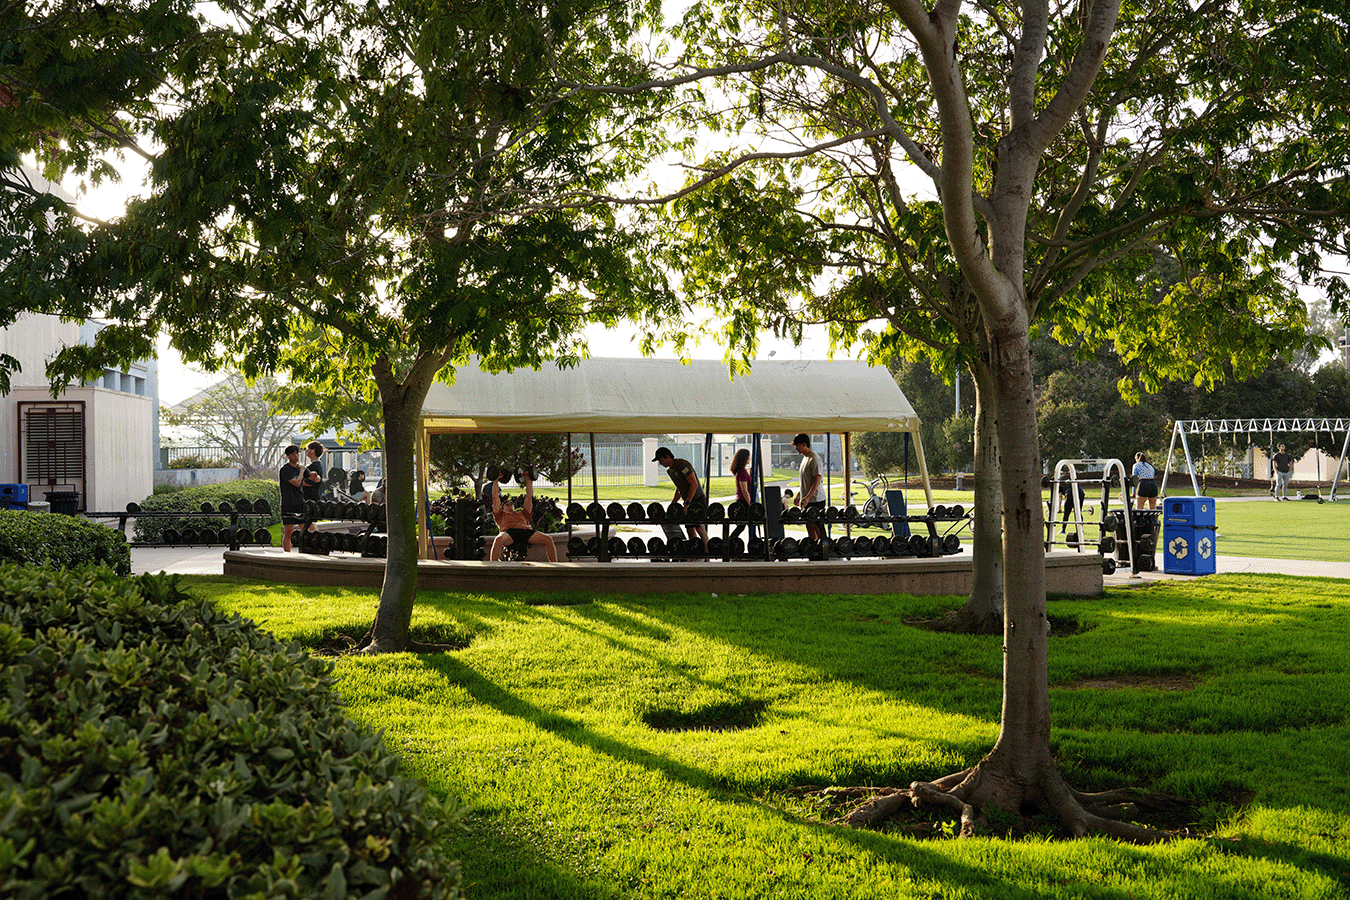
column 371, row 543
column 240, row 509
column 1125, row 534
column 672, row 516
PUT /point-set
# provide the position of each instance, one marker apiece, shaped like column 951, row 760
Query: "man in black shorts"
column 292, row 480
column 515, row 524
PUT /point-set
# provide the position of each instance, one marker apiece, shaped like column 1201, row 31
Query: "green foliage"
column 61, row 542
column 196, row 461
column 155, row 746
column 456, row 458
column 191, row 498
column 1226, row 689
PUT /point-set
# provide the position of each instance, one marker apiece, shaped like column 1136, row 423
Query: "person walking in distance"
column 1284, row 470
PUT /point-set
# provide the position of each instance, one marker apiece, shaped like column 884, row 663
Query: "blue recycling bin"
column 13, row 496
column 1189, row 545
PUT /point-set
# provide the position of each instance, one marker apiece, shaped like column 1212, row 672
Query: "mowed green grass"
column 575, row 729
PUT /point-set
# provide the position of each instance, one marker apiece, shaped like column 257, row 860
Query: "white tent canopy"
column 657, row 396
column 666, row 396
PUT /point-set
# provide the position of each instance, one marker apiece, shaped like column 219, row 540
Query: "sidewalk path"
column 211, row 561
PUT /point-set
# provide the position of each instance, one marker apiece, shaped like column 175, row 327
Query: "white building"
column 95, row 440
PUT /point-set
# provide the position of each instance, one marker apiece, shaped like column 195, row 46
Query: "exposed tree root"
column 963, row 621
column 979, row 797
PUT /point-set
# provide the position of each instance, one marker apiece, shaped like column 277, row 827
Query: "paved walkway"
column 210, row 561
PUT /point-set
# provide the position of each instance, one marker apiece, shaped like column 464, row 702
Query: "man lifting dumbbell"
column 687, row 489
column 514, row 525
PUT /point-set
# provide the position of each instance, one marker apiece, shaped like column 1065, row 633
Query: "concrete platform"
column 1076, row 574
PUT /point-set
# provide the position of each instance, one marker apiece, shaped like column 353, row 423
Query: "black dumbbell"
column 715, row 512
column 636, row 547
column 636, row 512
column 576, row 547
column 616, row 512
column 862, row 545
column 617, row 547
column 656, row 512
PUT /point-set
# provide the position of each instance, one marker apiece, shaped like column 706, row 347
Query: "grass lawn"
column 652, row 746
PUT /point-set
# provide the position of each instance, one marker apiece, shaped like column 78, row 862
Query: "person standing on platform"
column 740, row 467
column 812, row 494
column 315, row 472
column 292, row 482
column 687, row 489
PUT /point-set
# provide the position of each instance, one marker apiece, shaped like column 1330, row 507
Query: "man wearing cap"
column 687, row 489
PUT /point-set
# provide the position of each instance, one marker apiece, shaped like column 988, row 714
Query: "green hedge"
column 152, row 746
column 61, row 542
column 190, row 499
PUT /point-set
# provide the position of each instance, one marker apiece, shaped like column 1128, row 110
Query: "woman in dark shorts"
column 1147, row 491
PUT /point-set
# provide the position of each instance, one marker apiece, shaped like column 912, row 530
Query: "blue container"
column 13, row 496
column 1188, row 551
column 1197, row 512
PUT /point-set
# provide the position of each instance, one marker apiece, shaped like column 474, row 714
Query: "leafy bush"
column 191, row 499
column 153, row 746
column 61, row 542
column 197, row 461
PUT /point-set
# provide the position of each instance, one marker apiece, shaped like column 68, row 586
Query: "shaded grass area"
column 654, row 746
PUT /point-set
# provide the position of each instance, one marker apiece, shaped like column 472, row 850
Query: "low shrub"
column 190, row 499
column 58, row 541
column 153, row 746
column 197, row 461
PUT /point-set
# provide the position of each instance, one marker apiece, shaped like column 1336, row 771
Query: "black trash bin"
column 64, row 502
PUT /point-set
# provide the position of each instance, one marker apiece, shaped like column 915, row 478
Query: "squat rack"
column 1253, row 426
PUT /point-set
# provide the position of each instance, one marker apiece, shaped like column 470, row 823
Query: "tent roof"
column 667, row 396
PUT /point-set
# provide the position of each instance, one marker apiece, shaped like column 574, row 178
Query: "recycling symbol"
column 1205, row 548
column 1178, row 548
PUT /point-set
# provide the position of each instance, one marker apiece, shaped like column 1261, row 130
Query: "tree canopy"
column 366, row 193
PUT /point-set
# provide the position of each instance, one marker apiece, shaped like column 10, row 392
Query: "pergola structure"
column 1254, row 426
column 657, row 396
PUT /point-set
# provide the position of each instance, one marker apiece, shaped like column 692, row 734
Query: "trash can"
column 13, row 496
column 64, row 502
column 1189, row 533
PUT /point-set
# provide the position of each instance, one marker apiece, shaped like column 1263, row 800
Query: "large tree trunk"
column 982, row 612
column 402, row 405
